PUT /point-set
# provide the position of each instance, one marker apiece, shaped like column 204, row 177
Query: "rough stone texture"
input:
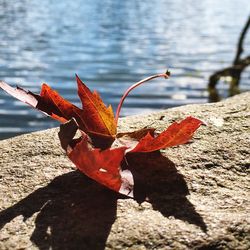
column 199, row 195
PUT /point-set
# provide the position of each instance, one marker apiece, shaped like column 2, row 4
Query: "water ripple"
column 112, row 44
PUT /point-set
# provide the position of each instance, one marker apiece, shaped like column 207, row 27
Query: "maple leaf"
column 99, row 152
column 98, row 118
column 175, row 134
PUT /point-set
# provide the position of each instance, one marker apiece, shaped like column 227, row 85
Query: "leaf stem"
column 165, row 75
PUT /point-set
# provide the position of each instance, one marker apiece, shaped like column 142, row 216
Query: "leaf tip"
column 78, row 79
column 168, row 73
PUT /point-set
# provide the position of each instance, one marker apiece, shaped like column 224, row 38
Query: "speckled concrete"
column 199, row 192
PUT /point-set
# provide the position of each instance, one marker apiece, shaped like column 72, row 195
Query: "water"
column 112, row 44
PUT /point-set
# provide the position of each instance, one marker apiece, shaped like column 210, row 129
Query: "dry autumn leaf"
column 100, row 151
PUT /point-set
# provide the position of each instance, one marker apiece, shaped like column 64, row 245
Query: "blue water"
column 111, row 44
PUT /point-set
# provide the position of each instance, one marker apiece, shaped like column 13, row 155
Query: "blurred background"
column 111, row 44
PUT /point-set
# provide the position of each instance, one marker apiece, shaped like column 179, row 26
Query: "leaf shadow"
column 157, row 180
column 75, row 212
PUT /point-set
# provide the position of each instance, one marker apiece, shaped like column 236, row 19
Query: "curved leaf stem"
column 165, row 75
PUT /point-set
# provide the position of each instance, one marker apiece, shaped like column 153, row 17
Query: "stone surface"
column 199, row 192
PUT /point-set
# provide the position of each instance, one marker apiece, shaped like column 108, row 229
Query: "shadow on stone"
column 157, row 180
column 75, row 212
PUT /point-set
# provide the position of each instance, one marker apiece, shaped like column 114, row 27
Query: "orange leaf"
column 175, row 134
column 57, row 107
column 98, row 118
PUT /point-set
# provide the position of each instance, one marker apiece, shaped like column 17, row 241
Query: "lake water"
column 111, row 44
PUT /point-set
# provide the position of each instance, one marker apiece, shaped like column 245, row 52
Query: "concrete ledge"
column 199, row 195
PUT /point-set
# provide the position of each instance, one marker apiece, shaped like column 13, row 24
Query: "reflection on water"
column 112, row 44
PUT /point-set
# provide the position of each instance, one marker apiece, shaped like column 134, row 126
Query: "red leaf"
column 57, row 107
column 94, row 118
column 101, row 165
column 98, row 127
column 175, row 134
column 49, row 102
